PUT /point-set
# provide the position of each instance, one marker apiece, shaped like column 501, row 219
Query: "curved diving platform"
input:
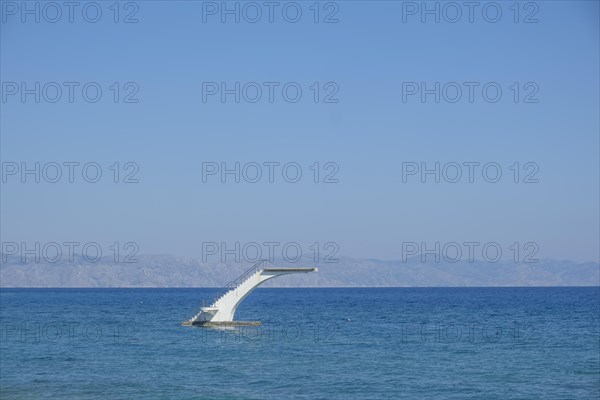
column 222, row 310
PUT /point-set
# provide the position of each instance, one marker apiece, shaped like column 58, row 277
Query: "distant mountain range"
column 171, row 271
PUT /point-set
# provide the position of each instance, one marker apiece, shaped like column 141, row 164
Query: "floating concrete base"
column 208, row 324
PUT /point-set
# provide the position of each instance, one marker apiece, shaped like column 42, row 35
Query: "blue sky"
column 368, row 133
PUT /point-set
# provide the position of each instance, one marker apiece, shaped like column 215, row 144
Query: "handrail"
column 242, row 277
column 237, row 281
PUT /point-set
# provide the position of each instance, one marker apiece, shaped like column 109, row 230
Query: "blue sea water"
column 397, row 343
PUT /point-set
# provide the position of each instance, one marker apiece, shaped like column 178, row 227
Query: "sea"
column 317, row 343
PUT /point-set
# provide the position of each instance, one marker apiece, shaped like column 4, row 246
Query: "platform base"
column 208, row 324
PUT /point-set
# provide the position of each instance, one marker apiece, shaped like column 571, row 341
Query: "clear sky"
column 370, row 57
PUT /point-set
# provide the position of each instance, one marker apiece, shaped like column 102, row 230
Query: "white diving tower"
column 222, row 310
